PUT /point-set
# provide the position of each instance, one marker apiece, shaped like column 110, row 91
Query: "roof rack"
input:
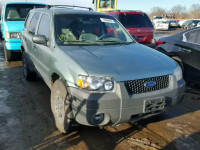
column 67, row 6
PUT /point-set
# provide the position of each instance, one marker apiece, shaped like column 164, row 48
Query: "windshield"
column 18, row 12
column 78, row 29
column 165, row 22
column 158, row 18
column 196, row 21
column 135, row 20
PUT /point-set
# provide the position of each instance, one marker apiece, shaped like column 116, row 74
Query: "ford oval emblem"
column 150, row 84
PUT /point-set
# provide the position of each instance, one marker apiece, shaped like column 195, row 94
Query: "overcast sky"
column 144, row 5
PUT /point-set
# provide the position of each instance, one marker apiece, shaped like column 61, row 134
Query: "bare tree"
column 179, row 12
column 195, row 11
column 157, row 11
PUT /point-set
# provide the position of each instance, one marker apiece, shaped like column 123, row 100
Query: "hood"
column 123, row 62
column 14, row 26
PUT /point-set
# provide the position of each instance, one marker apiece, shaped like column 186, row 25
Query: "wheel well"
column 22, row 48
column 54, row 77
column 175, row 57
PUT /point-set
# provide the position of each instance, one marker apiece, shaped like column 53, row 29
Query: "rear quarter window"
column 44, row 26
column 33, row 23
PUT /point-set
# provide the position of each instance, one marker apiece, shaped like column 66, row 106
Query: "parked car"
column 173, row 23
column 181, row 22
column 190, row 24
column 98, row 75
column 138, row 24
column 161, row 25
column 12, row 24
column 157, row 18
column 184, row 47
column 198, row 24
column 194, row 23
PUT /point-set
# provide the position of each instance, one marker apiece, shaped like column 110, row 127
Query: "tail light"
column 159, row 43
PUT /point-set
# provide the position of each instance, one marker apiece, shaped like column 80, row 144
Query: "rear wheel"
column 8, row 53
column 61, row 107
column 28, row 74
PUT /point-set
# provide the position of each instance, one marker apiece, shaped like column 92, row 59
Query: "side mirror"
column 134, row 36
column 39, row 39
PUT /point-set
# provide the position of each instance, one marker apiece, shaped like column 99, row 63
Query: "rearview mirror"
column 134, row 36
column 39, row 39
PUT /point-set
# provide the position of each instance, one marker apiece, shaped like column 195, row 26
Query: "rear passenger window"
column 192, row 36
column 44, row 26
column 33, row 23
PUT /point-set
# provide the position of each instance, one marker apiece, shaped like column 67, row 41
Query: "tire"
column 8, row 53
column 28, row 74
column 61, row 108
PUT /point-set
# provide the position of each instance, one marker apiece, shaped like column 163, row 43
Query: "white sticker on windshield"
column 107, row 20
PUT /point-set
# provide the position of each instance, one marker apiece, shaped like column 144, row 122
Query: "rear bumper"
column 120, row 107
column 13, row 44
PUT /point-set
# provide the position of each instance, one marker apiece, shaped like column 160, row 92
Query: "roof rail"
column 67, row 6
column 124, row 11
column 39, row 6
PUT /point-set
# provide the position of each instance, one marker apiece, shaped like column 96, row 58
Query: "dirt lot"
column 26, row 121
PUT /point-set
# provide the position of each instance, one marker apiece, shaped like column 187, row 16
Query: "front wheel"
column 61, row 107
column 8, row 53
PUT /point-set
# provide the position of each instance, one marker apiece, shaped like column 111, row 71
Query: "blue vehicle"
column 12, row 24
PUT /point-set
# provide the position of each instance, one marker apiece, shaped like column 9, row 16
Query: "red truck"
column 138, row 24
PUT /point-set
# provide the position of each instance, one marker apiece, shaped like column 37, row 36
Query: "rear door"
column 190, row 53
column 30, row 32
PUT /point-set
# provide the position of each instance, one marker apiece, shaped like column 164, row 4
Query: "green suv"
column 98, row 75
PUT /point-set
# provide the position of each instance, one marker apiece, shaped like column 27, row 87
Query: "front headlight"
column 178, row 73
column 95, row 83
column 13, row 35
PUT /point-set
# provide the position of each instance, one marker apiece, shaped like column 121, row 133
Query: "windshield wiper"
column 110, row 41
column 82, row 42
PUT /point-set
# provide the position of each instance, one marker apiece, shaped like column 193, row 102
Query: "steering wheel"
column 104, row 36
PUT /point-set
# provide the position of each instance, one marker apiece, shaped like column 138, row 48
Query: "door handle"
column 35, row 47
column 186, row 50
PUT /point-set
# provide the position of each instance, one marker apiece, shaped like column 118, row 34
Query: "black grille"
column 138, row 86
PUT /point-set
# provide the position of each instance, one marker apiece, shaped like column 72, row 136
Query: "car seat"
column 13, row 14
column 88, row 37
column 67, row 35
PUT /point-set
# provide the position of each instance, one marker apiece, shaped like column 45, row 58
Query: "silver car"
column 98, row 75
